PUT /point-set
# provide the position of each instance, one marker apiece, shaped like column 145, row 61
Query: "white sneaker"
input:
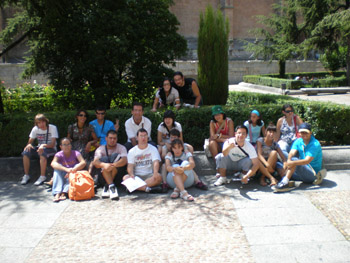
column 113, row 193
column 220, row 181
column 40, row 180
column 25, row 179
column 105, row 192
column 320, row 176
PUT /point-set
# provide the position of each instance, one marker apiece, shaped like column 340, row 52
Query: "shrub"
column 330, row 121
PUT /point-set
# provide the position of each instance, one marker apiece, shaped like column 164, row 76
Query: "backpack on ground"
column 81, row 186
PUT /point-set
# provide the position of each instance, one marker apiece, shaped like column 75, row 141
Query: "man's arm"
column 228, row 145
column 156, row 167
column 29, row 145
column 252, row 170
column 121, row 162
column 131, row 170
column 196, row 93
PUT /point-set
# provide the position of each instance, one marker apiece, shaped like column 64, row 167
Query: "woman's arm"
column 57, row 166
column 155, row 104
column 259, row 151
column 160, row 138
column 79, row 166
column 263, row 130
column 278, row 129
column 213, row 135
column 298, row 120
column 168, row 166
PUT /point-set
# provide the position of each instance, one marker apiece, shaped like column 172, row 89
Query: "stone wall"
column 10, row 73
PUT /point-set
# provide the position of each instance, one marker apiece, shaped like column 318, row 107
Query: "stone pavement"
column 231, row 223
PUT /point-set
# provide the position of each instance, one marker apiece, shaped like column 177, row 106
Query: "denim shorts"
column 33, row 154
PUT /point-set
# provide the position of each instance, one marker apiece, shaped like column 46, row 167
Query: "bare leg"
column 109, row 176
column 26, row 164
column 179, row 180
column 43, row 164
column 265, row 173
column 214, row 148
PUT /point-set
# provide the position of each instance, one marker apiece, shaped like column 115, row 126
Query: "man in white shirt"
column 136, row 122
column 239, row 155
column 143, row 161
column 112, row 159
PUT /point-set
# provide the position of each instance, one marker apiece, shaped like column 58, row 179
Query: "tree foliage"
column 213, row 56
column 115, row 49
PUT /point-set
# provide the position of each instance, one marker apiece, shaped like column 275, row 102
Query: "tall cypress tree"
column 213, row 56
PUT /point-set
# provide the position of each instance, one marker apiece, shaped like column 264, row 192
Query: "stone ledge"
column 334, row 158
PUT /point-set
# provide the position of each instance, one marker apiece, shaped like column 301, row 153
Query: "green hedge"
column 330, row 121
column 338, row 79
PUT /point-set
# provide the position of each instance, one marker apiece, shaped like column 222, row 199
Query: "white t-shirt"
column 237, row 154
column 173, row 159
column 174, row 94
column 120, row 149
column 40, row 135
column 131, row 127
column 165, row 133
column 143, row 159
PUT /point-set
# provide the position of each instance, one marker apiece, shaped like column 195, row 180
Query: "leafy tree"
column 332, row 34
column 280, row 36
column 106, row 49
column 213, row 56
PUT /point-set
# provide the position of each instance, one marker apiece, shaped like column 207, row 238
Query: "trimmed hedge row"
column 337, row 80
column 330, row 121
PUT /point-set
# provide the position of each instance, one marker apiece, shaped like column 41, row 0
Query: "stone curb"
column 270, row 89
column 334, row 158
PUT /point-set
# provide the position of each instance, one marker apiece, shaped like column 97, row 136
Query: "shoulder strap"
column 250, row 132
column 47, row 133
column 103, row 125
column 220, row 127
column 107, row 151
column 243, row 150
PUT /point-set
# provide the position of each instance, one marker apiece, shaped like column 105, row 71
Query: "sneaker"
column 220, row 181
column 320, row 176
column 201, row 185
column 156, row 190
column 25, row 179
column 40, row 180
column 282, row 187
column 105, row 192
column 113, row 193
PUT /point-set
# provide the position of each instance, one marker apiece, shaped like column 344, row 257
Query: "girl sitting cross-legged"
column 180, row 170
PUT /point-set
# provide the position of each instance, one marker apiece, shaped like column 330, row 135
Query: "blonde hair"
column 41, row 117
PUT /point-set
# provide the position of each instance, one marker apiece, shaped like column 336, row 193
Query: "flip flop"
column 56, row 198
column 63, row 197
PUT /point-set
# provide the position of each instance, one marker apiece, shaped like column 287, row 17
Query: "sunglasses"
column 288, row 111
column 81, row 115
column 100, row 113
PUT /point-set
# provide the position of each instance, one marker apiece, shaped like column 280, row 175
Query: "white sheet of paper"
column 133, row 184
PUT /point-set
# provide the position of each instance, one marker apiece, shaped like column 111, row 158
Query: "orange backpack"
column 81, row 186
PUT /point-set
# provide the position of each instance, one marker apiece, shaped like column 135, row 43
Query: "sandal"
column 63, row 197
column 56, row 198
column 175, row 194
column 273, row 182
column 186, row 196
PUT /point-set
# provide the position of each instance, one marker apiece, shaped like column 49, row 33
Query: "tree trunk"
column 348, row 62
column 2, row 110
column 282, row 68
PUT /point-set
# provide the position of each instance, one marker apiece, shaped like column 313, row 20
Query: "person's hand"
column 40, row 150
column 108, row 167
column 88, row 147
column 179, row 170
column 288, row 165
column 245, row 179
column 28, row 147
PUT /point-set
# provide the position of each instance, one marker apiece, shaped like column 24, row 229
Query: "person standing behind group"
column 46, row 134
column 82, row 134
column 166, row 95
column 136, row 122
column 64, row 162
column 287, row 128
column 221, row 128
column 102, row 126
column 188, row 90
column 255, row 126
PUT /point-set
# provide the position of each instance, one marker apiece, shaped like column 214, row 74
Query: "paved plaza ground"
column 231, row 223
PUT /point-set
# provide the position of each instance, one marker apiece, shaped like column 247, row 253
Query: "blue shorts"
column 189, row 180
column 32, row 154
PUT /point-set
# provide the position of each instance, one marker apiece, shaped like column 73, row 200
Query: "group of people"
column 246, row 149
column 287, row 150
column 162, row 164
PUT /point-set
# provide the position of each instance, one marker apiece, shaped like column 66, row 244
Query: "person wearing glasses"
column 82, row 134
column 287, row 128
column 63, row 163
column 102, row 126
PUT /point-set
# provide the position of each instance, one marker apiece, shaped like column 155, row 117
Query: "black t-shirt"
column 185, row 92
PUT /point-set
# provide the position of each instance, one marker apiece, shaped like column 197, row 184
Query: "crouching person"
column 112, row 159
column 143, row 161
column 238, row 155
column 64, row 162
column 308, row 166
